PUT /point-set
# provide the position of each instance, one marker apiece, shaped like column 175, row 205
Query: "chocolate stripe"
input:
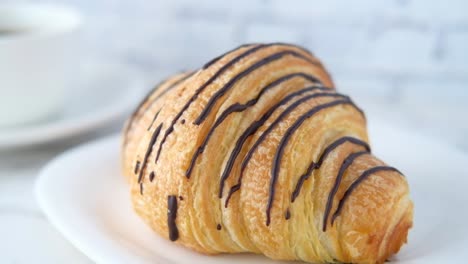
column 263, row 136
column 154, row 137
column 171, row 217
column 302, row 179
column 287, row 215
column 154, row 119
column 247, row 133
column 214, row 60
column 146, row 99
column 246, row 53
column 175, row 84
column 344, row 166
column 137, row 167
column 170, row 129
column 238, row 107
column 283, row 143
column 323, row 156
column 265, row 61
column 356, row 183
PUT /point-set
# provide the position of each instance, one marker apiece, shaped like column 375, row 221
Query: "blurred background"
column 405, row 61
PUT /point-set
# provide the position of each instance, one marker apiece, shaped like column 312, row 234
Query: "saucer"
column 100, row 95
column 85, row 196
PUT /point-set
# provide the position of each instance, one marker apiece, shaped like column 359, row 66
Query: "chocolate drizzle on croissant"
column 170, row 129
column 171, row 217
column 206, row 111
column 238, row 107
column 154, row 137
column 137, row 167
column 355, row 184
column 346, row 163
column 227, row 86
column 316, row 165
column 146, row 100
column 252, row 129
column 298, row 98
column 252, row 150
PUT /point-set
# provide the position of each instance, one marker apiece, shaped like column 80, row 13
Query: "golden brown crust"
column 251, row 148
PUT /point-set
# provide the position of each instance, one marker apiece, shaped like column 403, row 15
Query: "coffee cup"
column 37, row 57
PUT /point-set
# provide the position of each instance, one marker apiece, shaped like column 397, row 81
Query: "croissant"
column 257, row 152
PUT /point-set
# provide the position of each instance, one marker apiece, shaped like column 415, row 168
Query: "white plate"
column 85, row 196
column 100, row 94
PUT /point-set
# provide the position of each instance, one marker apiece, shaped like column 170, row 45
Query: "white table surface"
column 25, row 234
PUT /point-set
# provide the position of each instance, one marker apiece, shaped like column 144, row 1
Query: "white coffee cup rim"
column 54, row 19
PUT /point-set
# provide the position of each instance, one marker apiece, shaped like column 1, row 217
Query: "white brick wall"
column 398, row 49
column 390, row 50
column 456, row 49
